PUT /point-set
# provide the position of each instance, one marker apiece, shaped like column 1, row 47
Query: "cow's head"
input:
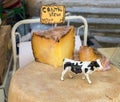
column 96, row 64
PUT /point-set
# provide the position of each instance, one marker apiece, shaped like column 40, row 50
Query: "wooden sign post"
column 52, row 14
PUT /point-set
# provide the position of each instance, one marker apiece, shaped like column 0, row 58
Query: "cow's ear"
column 93, row 63
column 96, row 64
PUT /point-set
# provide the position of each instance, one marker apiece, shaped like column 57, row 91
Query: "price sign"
column 51, row 14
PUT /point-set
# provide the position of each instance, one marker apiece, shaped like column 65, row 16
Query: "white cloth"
column 78, row 42
column 25, row 53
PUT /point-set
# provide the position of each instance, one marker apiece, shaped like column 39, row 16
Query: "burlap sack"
column 4, row 50
column 2, row 67
column 2, row 55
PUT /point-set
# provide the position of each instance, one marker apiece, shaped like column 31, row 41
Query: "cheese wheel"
column 38, row 82
column 53, row 45
column 87, row 53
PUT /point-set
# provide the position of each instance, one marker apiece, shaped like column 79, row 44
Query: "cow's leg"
column 70, row 75
column 64, row 72
column 83, row 76
column 88, row 79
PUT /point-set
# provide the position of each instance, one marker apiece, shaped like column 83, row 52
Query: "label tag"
column 52, row 14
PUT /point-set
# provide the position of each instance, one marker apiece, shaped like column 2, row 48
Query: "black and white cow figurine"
column 85, row 67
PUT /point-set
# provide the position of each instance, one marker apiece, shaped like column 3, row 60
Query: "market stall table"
column 38, row 82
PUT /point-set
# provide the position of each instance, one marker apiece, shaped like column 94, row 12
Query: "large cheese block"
column 53, row 45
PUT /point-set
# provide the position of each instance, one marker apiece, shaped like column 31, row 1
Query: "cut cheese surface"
column 52, row 46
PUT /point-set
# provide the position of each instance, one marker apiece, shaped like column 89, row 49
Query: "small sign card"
column 52, row 14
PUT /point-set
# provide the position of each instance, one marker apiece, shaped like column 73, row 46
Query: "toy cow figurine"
column 85, row 67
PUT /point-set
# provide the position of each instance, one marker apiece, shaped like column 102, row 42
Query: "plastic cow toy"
column 85, row 67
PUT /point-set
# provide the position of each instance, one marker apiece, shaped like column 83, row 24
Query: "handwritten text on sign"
column 52, row 14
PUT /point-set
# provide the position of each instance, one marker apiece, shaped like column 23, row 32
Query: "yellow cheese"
column 52, row 46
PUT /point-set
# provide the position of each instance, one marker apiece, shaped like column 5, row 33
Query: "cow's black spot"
column 93, row 64
column 67, row 64
column 76, row 64
column 96, row 64
column 92, row 68
column 86, row 70
column 76, row 68
column 81, row 62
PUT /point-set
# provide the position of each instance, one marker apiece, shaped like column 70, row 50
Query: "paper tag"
column 52, row 14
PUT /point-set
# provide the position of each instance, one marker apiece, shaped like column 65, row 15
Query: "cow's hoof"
column 90, row 82
column 71, row 77
column 62, row 79
column 83, row 77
